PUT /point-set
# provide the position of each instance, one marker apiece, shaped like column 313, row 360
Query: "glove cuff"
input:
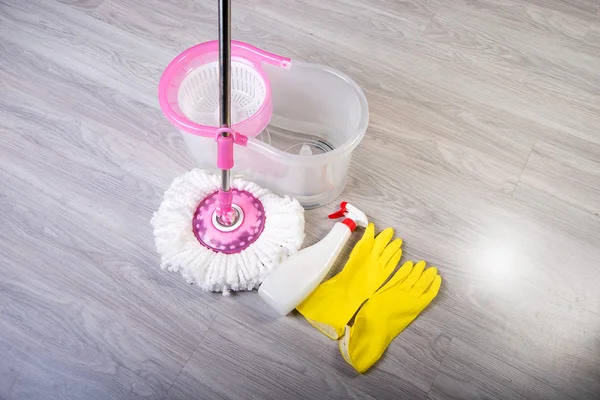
column 333, row 327
column 328, row 330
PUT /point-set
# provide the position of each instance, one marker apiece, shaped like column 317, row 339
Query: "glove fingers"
column 381, row 241
column 414, row 276
column 424, row 281
column 391, row 264
column 389, row 252
column 433, row 290
column 365, row 243
column 399, row 276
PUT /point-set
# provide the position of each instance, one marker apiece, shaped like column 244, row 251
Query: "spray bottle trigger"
column 341, row 212
column 354, row 217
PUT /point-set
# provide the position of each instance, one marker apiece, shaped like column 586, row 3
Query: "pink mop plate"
column 221, row 238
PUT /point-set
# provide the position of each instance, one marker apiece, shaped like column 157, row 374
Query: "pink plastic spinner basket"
column 188, row 90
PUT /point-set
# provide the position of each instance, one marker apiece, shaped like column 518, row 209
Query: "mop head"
column 218, row 271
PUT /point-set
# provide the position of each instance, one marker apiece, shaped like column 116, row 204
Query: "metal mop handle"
column 225, row 73
column 226, row 214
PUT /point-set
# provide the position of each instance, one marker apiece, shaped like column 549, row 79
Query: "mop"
column 221, row 234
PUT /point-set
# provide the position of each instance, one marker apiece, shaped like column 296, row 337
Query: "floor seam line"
column 439, row 367
column 191, row 354
column 523, row 169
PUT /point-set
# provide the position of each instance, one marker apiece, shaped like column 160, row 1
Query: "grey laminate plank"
column 93, row 289
column 79, row 170
column 314, row 26
column 175, row 25
column 567, row 170
column 456, row 141
column 552, row 15
column 415, row 355
column 574, row 7
column 253, row 364
column 463, row 225
column 538, row 16
column 102, row 122
column 526, row 78
column 83, row 5
column 525, row 335
column 287, row 358
column 106, row 55
column 454, row 63
column 42, row 370
column 488, row 378
column 514, row 44
column 6, row 346
column 592, row 36
column 7, row 377
column 352, row 21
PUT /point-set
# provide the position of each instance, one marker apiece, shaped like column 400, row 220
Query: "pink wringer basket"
column 188, row 90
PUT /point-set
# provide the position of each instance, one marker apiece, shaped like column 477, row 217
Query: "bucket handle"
column 256, row 54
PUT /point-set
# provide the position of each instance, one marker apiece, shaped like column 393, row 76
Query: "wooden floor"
column 483, row 152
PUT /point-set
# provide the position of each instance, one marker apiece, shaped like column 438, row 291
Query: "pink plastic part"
column 238, row 138
column 252, row 53
column 236, row 240
column 225, row 147
column 177, row 69
column 225, row 152
column 224, row 210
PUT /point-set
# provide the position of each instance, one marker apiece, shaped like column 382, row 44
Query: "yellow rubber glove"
column 334, row 302
column 387, row 313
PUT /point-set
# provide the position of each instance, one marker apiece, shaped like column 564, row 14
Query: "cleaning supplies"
column 220, row 234
column 334, row 302
column 387, row 313
column 298, row 276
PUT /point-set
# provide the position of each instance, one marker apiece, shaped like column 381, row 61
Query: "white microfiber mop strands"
column 211, row 270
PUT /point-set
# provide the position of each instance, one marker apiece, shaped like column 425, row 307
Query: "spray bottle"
column 286, row 287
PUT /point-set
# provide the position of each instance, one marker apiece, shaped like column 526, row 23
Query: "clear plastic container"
column 319, row 117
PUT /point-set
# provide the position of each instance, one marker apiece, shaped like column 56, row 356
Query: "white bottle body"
column 286, row 287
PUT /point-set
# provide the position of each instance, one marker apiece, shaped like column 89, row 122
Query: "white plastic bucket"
column 319, row 117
